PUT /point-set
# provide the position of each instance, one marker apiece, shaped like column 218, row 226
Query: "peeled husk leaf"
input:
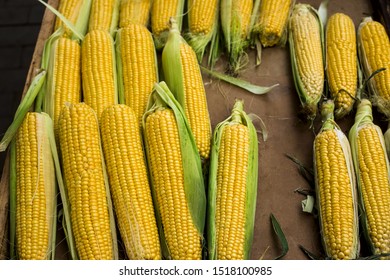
column 23, row 108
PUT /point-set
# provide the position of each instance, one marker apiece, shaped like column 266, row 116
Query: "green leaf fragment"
column 280, row 234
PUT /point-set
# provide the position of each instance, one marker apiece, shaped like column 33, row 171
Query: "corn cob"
column 176, row 176
column 98, row 70
column 232, row 191
column 272, row 22
column 162, row 11
column 137, row 66
column 307, row 57
column 341, row 62
column 129, row 184
column 134, row 11
column 35, row 189
column 183, row 77
column 64, row 77
column 104, row 15
column 335, row 189
column 202, row 24
column 86, row 183
column 77, row 13
column 70, row 10
column 235, row 22
column 372, row 172
column 374, row 54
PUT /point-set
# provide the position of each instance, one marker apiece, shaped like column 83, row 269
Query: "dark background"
column 20, row 22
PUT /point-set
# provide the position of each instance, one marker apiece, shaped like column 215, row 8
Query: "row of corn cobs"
column 131, row 151
column 352, row 176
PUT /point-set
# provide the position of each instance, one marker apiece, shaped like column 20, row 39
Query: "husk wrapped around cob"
column 341, row 63
column 184, row 79
column 374, row 55
column 335, row 186
column 306, row 43
column 34, row 213
column 232, row 192
column 373, row 181
column 176, row 176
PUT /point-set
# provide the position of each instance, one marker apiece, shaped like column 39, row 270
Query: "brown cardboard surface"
column 278, row 176
column 287, row 134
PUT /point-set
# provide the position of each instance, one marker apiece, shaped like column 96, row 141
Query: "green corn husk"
column 199, row 40
column 24, row 106
column 161, row 38
column 370, row 196
column 194, row 187
column 235, row 42
column 309, row 100
column 78, row 29
column 238, row 116
column 191, row 99
column 330, row 186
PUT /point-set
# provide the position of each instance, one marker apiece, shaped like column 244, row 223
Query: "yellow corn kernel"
column 375, row 54
column 103, row 15
column 308, row 50
column 84, row 179
column 162, row 11
column 231, row 192
column 195, row 101
column 35, row 189
column 202, row 16
column 372, row 170
column 66, row 83
column 335, row 188
column 203, row 25
column 375, row 187
column 241, row 12
column 134, row 11
column 341, row 67
column 98, row 70
column 129, row 184
column 70, row 10
column 272, row 21
column 139, row 66
column 186, row 84
column 335, row 196
column 166, row 169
